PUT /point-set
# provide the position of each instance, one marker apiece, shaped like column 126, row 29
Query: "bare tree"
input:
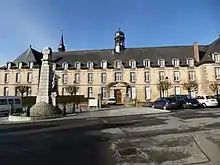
column 22, row 89
column 190, row 86
column 214, row 86
column 163, row 86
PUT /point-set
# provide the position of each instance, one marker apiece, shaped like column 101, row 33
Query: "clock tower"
column 119, row 41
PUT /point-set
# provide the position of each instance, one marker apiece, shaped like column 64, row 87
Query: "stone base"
column 43, row 110
column 18, row 118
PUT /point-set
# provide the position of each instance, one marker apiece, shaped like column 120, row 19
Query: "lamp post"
column 166, row 85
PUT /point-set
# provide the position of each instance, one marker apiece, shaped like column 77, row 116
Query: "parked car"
column 166, row 103
column 111, row 101
column 190, row 103
column 6, row 102
column 207, row 101
column 180, row 96
column 218, row 99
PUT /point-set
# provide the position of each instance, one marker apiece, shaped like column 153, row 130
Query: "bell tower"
column 61, row 47
column 119, row 41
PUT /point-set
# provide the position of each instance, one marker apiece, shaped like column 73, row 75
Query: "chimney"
column 196, row 51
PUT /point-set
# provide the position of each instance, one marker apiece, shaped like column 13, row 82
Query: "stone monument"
column 46, row 95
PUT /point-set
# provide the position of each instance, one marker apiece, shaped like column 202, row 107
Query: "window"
column 18, row 77
column 190, row 62
column 77, row 65
column 17, row 101
column 77, row 78
column 161, row 63
column 90, row 92
column 177, row 90
column 216, row 57
column 8, row 65
column 6, row 77
column 63, row 91
column 118, row 64
column 19, row 65
column 217, row 73
column 65, row 65
column 118, row 76
column 54, row 66
column 11, row 101
column 90, row 77
column 133, row 93
column 176, row 76
column 132, row 77
column 146, row 63
column 6, row 91
column 3, row 101
column 103, row 77
column 64, row 78
column 29, row 77
column 147, row 93
column 146, row 76
column 29, row 92
column 90, row 64
column 161, row 76
column 191, row 76
column 132, row 63
column 103, row 92
column 30, row 64
column 175, row 62
column 104, row 64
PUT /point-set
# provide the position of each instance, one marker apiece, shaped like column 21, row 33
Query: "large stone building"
column 109, row 71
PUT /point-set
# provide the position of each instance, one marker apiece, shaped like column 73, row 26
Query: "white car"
column 207, row 101
column 111, row 100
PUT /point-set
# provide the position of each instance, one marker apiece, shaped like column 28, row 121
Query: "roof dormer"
column 65, row 65
column 132, row 63
column 216, row 57
column 90, row 65
column 175, row 62
column 8, row 65
column 104, row 64
column 19, row 65
column 30, row 65
column 54, row 66
column 78, row 65
column 190, row 62
column 161, row 63
column 118, row 64
column 146, row 63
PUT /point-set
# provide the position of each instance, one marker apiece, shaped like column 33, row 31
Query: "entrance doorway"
column 118, row 96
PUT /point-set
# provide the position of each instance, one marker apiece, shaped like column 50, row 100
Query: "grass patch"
column 160, row 156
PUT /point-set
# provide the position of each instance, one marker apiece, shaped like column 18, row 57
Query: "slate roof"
column 138, row 54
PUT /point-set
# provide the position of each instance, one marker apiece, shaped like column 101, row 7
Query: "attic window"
column 77, row 65
column 19, row 65
column 216, row 57
column 65, row 66
column 146, row 63
column 90, row 64
column 190, row 62
column 132, row 63
column 104, row 64
column 54, row 66
column 8, row 65
column 117, row 64
column 175, row 62
column 161, row 63
column 30, row 65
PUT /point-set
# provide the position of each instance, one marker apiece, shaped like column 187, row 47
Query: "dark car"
column 190, row 103
column 166, row 103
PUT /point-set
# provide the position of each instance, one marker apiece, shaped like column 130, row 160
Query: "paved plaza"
column 177, row 137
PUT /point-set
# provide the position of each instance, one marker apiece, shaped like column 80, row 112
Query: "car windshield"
column 210, row 97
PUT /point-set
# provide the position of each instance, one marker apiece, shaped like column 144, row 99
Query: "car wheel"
column 204, row 105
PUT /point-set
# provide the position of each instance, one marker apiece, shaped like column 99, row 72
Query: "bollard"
column 28, row 111
column 64, row 110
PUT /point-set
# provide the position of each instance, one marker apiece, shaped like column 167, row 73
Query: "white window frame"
column 54, row 66
column 65, row 65
column 77, row 65
column 19, row 65
column 30, row 65
column 146, row 63
column 118, row 64
column 8, row 65
column 77, row 78
column 132, row 77
column 90, row 92
column 162, row 76
column 104, row 64
column 176, row 76
column 217, row 73
column 64, row 78
column 63, row 91
column 216, row 57
column 18, row 77
column 90, row 65
column 147, row 76
column 118, row 76
column 6, row 77
column 132, row 63
column 190, row 62
column 90, row 77
column 191, row 75
column 175, row 89
column 29, row 77
column 6, row 91
column 103, row 77
column 161, row 63
column 176, row 62
column 147, row 93
column 103, row 92
column 133, row 93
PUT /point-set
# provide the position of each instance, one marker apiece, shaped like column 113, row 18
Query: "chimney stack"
column 196, row 51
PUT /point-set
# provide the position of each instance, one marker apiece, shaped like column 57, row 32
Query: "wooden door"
column 118, row 96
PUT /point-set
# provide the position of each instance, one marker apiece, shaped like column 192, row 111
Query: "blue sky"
column 91, row 24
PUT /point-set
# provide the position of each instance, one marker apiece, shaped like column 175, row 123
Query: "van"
column 6, row 102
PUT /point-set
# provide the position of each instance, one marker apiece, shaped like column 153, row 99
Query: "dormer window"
column 146, row 63
column 175, row 62
column 216, row 57
column 30, row 65
column 54, row 66
column 104, row 64
column 8, row 65
column 19, row 65
column 132, row 63
column 90, row 65
column 190, row 62
column 77, row 65
column 65, row 65
column 118, row 64
column 161, row 63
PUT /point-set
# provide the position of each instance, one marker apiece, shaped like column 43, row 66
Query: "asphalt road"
column 67, row 141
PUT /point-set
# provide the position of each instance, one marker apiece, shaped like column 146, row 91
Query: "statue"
column 54, row 82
